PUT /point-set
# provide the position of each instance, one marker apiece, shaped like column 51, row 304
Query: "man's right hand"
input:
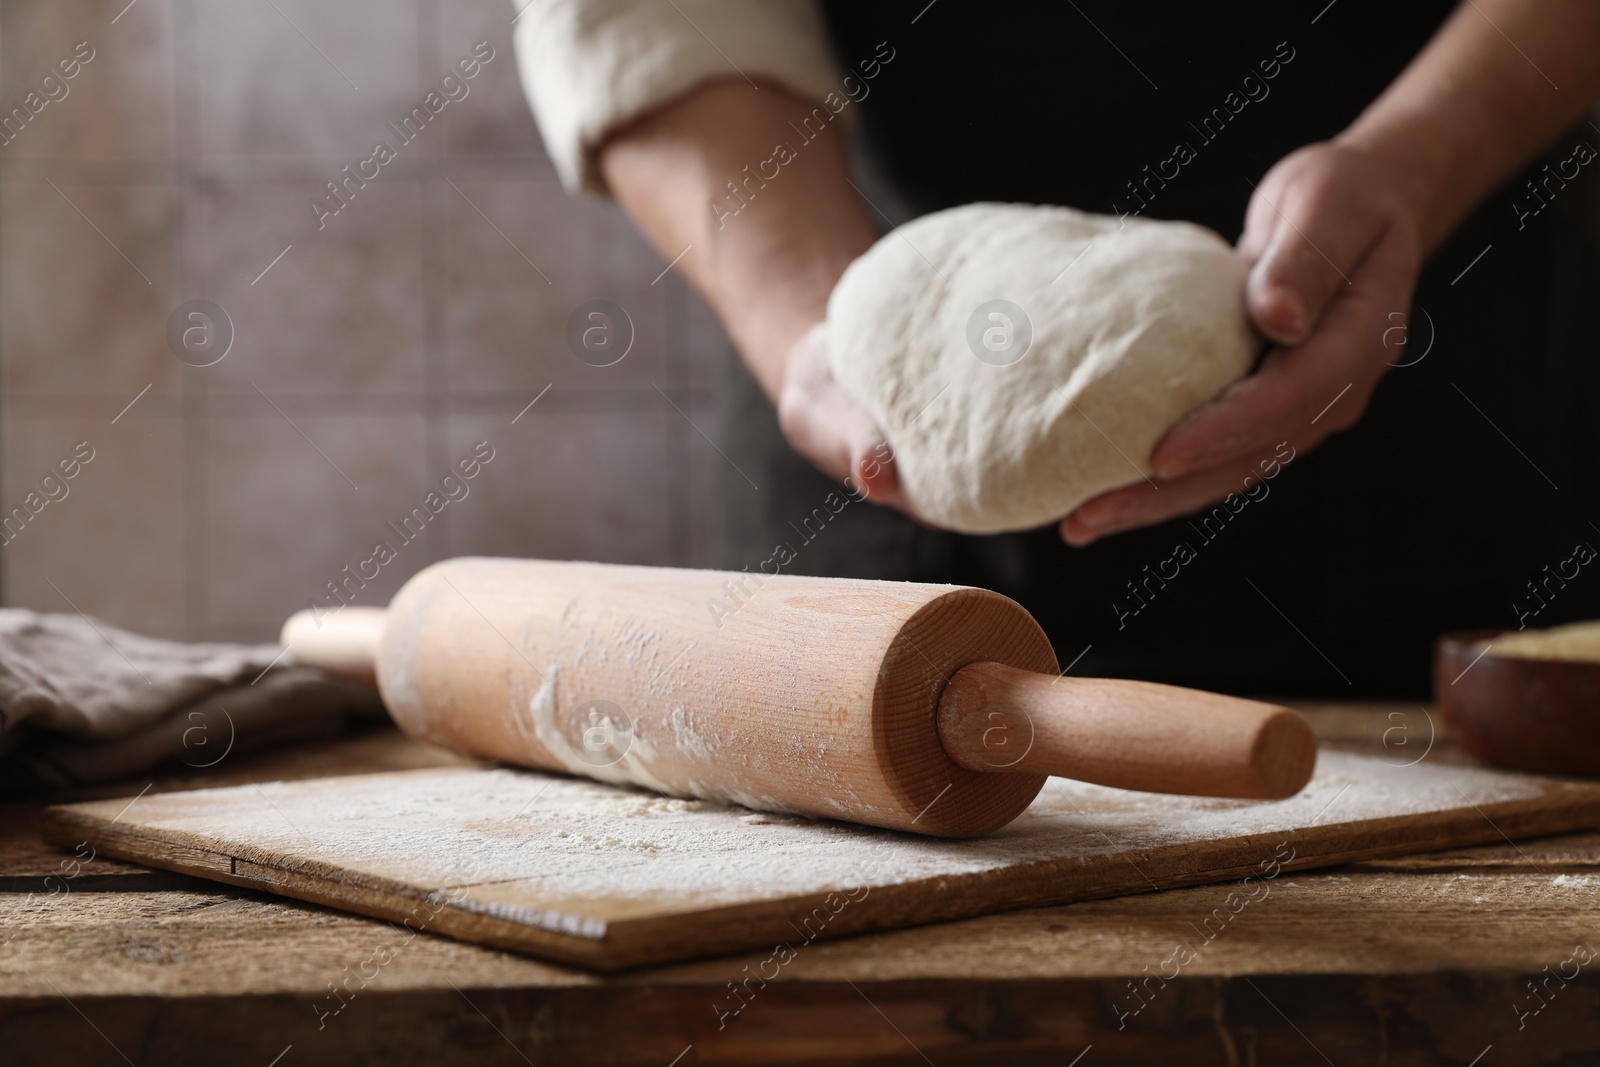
column 764, row 252
column 831, row 428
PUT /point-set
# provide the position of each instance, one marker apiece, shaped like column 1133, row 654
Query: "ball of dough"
column 1023, row 359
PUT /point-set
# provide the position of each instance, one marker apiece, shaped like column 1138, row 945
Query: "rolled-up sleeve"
column 590, row 67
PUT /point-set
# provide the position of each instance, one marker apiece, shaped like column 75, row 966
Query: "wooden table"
column 1446, row 958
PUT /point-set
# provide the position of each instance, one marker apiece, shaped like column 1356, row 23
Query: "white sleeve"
column 590, row 67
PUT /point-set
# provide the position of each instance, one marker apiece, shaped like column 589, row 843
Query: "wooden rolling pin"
column 929, row 708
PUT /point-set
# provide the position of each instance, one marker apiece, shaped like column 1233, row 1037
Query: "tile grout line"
column 674, row 322
column 5, row 362
column 433, row 262
column 191, row 245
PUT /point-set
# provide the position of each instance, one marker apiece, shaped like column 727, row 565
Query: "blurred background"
column 367, row 358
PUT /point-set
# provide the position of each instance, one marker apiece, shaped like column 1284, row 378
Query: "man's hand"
column 829, row 427
column 768, row 268
column 1334, row 235
column 1334, row 249
column 1336, row 231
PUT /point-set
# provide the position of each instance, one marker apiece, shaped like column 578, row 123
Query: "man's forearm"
column 1496, row 85
column 768, row 255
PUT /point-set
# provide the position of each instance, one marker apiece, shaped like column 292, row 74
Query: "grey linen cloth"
column 82, row 701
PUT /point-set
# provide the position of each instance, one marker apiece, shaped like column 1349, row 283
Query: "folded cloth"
column 82, row 701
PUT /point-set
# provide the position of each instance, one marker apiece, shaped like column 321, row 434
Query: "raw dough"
column 1134, row 323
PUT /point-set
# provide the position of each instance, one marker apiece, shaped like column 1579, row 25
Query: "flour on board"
column 574, row 840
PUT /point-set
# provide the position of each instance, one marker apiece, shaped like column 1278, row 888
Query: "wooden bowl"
column 1511, row 711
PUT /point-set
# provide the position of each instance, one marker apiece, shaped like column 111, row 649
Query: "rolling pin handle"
column 1127, row 734
column 343, row 642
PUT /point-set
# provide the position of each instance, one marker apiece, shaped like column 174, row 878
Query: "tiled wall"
column 366, row 360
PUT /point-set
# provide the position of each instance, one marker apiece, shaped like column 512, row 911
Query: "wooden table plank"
column 182, row 943
column 1336, row 951
column 1414, row 960
column 581, row 872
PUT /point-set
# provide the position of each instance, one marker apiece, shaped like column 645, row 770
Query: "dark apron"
column 1473, row 471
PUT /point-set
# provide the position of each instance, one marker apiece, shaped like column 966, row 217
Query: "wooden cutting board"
column 603, row 877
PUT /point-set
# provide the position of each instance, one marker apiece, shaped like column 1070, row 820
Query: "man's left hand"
column 1333, row 251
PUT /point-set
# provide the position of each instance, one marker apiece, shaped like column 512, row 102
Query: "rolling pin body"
column 929, row 708
column 813, row 695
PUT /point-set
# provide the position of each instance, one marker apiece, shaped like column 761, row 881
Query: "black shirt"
column 1473, row 469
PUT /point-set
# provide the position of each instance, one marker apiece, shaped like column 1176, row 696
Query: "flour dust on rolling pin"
column 876, row 702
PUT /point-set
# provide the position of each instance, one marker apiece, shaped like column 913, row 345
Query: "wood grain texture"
column 784, row 693
column 589, row 874
column 1513, row 711
column 212, row 939
column 1424, row 966
column 344, row 641
column 828, row 697
column 1397, row 960
column 1426, row 1020
column 1123, row 733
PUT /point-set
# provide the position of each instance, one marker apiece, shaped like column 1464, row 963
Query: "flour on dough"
column 1134, row 323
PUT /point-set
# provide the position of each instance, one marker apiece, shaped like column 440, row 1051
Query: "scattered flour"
column 687, row 738
column 632, row 769
column 1574, row 881
column 552, row 842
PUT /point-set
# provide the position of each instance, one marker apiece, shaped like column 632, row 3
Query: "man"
column 1341, row 144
